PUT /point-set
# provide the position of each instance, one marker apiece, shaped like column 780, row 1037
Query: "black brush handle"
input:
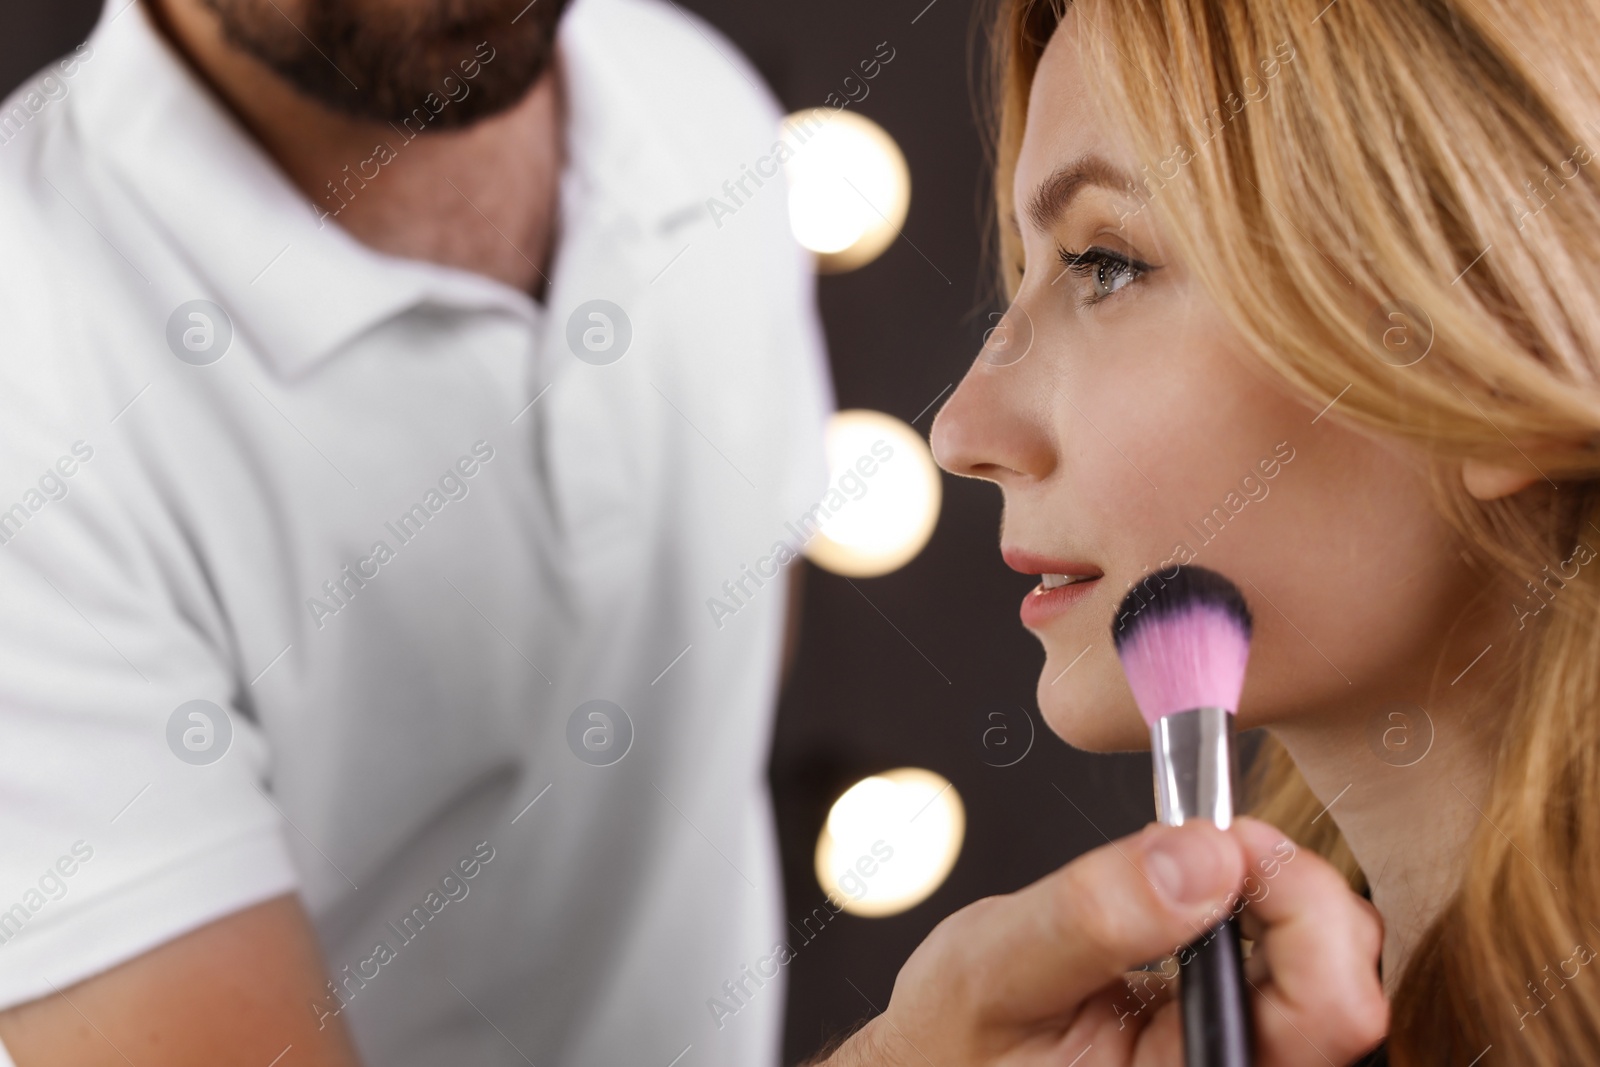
column 1213, row 1001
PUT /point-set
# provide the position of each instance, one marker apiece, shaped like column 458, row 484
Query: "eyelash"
column 1091, row 262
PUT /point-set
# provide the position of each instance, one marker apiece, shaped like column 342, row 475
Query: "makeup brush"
column 1183, row 636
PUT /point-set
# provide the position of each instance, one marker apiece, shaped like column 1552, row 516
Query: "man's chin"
column 445, row 66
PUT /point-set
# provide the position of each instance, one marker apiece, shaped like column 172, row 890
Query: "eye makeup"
column 1108, row 271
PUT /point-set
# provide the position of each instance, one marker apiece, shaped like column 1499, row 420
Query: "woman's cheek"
column 1166, row 449
column 1359, row 582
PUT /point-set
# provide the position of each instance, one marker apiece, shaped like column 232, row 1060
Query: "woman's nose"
column 996, row 426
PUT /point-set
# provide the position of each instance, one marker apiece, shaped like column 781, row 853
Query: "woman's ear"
column 1491, row 481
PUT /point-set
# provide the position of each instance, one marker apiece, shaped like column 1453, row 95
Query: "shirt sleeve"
column 131, row 786
column 809, row 387
column 797, row 340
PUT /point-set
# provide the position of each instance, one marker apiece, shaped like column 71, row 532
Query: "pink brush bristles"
column 1184, row 640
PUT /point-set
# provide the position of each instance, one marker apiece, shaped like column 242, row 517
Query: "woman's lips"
column 1062, row 583
column 1041, row 605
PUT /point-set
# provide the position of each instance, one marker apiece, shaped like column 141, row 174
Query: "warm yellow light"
column 883, row 497
column 849, row 188
column 890, row 841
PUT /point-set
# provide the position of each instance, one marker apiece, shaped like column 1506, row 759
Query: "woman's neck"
column 1408, row 825
column 1404, row 766
column 1407, row 789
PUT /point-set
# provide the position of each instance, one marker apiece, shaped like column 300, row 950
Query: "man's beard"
column 388, row 59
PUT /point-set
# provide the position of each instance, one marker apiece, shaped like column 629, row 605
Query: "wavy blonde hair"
column 1436, row 152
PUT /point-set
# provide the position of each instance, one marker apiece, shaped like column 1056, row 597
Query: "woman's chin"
column 1095, row 721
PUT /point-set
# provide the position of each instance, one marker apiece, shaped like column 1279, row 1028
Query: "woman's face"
column 1133, row 435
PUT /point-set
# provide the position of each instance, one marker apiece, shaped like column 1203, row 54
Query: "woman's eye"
column 1106, row 270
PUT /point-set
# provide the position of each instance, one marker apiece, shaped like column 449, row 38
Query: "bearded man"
column 379, row 406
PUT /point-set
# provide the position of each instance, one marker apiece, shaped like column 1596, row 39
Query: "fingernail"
column 1186, row 866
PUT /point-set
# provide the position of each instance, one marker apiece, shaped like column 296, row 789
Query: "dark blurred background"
column 902, row 670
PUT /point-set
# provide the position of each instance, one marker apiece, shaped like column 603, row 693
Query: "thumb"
column 1062, row 939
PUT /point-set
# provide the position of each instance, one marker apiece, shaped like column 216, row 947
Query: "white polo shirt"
column 394, row 541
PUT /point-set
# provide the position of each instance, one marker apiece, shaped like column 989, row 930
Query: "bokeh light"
column 890, row 841
column 849, row 187
column 886, row 508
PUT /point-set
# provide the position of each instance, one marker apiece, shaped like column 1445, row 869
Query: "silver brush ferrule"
column 1196, row 770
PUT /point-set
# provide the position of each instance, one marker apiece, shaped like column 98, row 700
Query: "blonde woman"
column 1308, row 292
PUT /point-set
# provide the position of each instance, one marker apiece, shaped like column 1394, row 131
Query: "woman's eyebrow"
column 1052, row 196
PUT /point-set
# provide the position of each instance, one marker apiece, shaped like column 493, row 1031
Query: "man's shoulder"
column 42, row 95
column 41, row 167
column 36, row 271
column 689, row 78
column 58, row 246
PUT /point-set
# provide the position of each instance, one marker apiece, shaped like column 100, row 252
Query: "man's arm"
column 238, row 990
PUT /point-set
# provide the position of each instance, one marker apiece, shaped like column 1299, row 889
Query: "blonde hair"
column 1327, row 160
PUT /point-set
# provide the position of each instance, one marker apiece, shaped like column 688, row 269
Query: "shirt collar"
column 626, row 160
column 300, row 288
